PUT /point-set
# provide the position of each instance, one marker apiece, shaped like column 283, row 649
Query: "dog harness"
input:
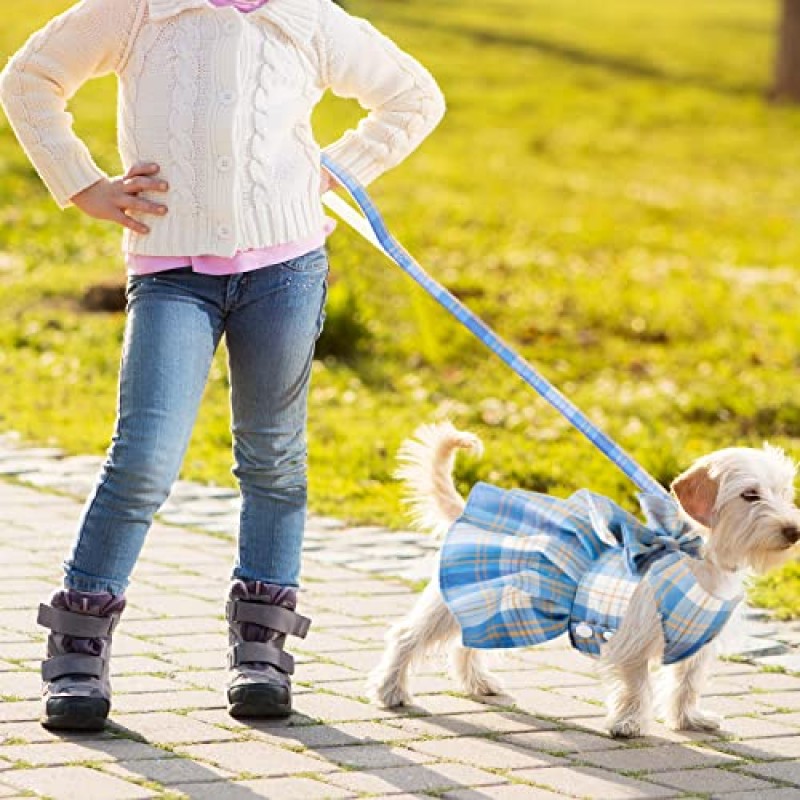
column 520, row 568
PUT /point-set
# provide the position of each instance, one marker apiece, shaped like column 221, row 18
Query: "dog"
column 736, row 505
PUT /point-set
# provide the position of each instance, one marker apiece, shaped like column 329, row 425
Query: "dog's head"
column 745, row 498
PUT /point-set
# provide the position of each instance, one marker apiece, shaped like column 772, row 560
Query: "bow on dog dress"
column 519, row 568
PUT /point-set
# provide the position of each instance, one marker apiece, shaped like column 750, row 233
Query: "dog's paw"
column 626, row 727
column 695, row 720
column 386, row 694
column 483, row 686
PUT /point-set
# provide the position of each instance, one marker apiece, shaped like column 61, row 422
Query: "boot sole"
column 76, row 714
column 266, row 702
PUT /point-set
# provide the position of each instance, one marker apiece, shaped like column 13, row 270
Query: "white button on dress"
column 583, row 630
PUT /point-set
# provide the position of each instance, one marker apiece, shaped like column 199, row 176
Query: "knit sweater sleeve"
column 402, row 98
column 88, row 40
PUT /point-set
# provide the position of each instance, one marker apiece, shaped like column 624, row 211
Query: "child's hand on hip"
column 113, row 199
column 327, row 182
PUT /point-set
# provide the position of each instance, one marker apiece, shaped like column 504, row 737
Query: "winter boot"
column 76, row 689
column 260, row 616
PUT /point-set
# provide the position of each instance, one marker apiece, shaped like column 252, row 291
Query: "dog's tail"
column 426, row 468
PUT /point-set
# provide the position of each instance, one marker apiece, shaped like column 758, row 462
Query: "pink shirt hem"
column 243, row 261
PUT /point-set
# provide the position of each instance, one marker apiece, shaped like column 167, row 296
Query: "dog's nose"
column 791, row 533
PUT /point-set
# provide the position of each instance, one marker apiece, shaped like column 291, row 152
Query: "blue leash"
column 383, row 240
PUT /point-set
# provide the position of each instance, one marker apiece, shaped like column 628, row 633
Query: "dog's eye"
column 751, row 496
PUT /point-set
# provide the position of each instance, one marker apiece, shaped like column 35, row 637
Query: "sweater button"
column 223, row 231
column 229, row 27
column 224, row 163
column 226, row 97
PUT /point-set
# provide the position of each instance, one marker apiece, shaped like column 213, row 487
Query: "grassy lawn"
column 609, row 190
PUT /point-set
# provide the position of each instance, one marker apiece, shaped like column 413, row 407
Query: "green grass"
column 609, row 190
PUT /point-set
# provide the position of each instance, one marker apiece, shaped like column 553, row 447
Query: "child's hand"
column 111, row 199
column 327, row 182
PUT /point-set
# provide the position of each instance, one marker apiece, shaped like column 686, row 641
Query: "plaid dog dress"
column 519, row 568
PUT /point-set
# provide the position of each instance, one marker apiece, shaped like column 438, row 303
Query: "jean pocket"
column 315, row 261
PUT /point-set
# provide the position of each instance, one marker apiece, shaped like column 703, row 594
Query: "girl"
column 224, row 235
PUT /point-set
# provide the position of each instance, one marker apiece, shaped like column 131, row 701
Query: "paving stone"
column 486, row 754
column 786, row 793
column 511, row 791
column 771, row 681
column 208, row 659
column 362, row 661
column 137, row 665
column 60, row 752
column 474, row 724
column 422, row 778
column 563, row 741
column 790, row 661
column 169, row 728
column 553, row 704
column 787, row 700
column 592, row 783
column 136, row 684
column 373, row 756
column 541, row 678
column 257, row 758
column 168, row 701
column 656, row 759
column 20, row 711
column 333, row 708
column 213, row 679
column 448, row 704
column 292, row 789
column 766, row 749
column 792, row 719
column 167, row 771
column 22, row 685
column 786, row 771
column 716, row 782
column 657, row 733
column 67, row 783
column 756, row 727
column 322, row 672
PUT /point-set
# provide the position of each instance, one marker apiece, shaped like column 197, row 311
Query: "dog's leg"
column 685, row 682
column 627, row 659
column 429, row 624
column 469, row 667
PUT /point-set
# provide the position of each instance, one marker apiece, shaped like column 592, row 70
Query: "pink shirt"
column 244, row 260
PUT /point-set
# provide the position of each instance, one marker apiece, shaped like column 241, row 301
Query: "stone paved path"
column 172, row 738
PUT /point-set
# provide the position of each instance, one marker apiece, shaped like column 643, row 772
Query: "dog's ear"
column 696, row 491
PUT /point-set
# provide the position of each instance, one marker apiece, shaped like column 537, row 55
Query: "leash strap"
column 372, row 228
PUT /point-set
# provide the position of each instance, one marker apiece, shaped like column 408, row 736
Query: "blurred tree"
column 787, row 64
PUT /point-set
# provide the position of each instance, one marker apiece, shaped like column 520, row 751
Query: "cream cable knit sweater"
column 222, row 101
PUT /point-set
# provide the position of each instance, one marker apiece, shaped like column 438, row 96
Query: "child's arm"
column 88, row 40
column 402, row 98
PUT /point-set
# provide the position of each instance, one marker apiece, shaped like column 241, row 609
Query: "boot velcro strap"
column 276, row 618
column 72, row 664
column 72, row 623
column 260, row 652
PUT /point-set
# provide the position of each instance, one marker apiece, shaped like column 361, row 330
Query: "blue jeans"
column 271, row 319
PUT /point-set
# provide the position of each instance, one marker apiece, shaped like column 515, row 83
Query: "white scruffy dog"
column 741, row 501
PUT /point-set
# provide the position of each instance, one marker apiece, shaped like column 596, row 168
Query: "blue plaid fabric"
column 520, row 568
